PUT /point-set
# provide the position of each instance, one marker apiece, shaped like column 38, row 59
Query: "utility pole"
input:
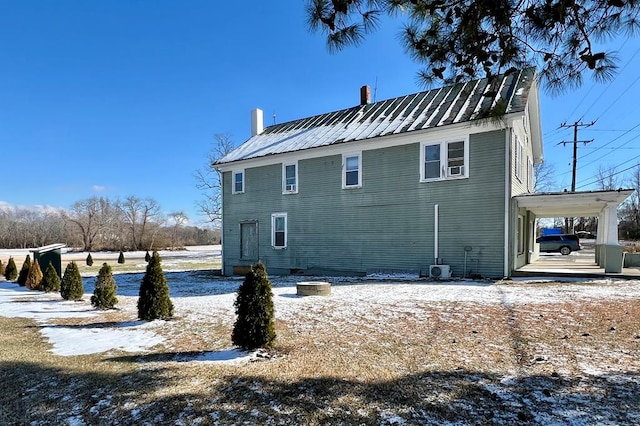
column 569, row 224
column 575, row 126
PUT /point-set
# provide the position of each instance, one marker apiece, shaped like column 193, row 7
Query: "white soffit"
column 578, row 204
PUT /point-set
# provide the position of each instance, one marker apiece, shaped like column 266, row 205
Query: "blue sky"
column 123, row 97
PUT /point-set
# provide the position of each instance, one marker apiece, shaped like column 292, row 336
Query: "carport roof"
column 578, row 204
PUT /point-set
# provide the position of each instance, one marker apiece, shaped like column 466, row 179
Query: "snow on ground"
column 196, row 295
column 202, row 296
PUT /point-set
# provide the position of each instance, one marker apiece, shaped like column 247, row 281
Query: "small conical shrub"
column 154, row 301
column 255, row 326
column 34, row 276
column 1, row 268
column 89, row 260
column 50, row 280
column 22, row 276
column 121, row 258
column 147, row 257
column 104, row 295
column 71, row 287
column 11, row 271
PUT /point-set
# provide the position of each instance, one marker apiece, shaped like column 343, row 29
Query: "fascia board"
column 387, row 141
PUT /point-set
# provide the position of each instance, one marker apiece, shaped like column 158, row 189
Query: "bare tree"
column 209, row 179
column 91, row 217
column 137, row 214
column 630, row 210
column 607, row 178
column 179, row 218
column 544, row 177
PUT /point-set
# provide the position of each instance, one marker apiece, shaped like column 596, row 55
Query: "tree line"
column 101, row 223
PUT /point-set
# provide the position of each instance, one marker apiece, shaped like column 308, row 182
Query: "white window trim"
column 284, row 178
column 233, row 181
column 273, row 230
column 518, row 157
column 344, row 170
column 444, row 168
column 520, row 240
column 529, row 174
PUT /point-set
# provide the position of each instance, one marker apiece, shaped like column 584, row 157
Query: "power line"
column 606, row 88
column 609, row 143
column 614, row 174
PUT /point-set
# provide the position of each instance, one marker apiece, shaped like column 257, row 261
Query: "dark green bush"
column 255, row 326
column 71, row 287
column 147, row 257
column 50, row 280
column 104, row 295
column 121, row 258
column 154, row 301
column 34, row 276
column 11, row 271
column 89, row 260
column 24, row 271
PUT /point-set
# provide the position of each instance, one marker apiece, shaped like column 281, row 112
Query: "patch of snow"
column 199, row 297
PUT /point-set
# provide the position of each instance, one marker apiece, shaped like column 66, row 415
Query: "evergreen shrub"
column 11, row 271
column 104, row 294
column 34, row 276
column 147, row 257
column 121, row 258
column 89, row 260
column 2, row 268
column 154, row 301
column 255, row 326
column 71, row 287
column 24, row 271
column 50, row 280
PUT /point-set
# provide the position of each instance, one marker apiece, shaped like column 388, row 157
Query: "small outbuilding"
column 51, row 253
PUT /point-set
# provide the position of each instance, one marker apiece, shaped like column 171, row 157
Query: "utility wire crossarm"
column 575, row 141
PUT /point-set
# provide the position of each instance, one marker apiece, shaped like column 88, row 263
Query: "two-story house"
column 396, row 185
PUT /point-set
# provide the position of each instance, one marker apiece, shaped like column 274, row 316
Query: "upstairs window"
column 455, row 159
column 518, row 157
column 444, row 160
column 238, row 182
column 432, row 162
column 279, row 230
column 290, row 178
column 352, row 170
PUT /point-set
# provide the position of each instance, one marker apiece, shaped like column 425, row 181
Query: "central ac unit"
column 439, row 271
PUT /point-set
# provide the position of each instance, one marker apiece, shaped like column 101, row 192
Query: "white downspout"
column 435, row 233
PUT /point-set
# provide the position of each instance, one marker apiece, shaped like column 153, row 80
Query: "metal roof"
column 50, row 247
column 455, row 104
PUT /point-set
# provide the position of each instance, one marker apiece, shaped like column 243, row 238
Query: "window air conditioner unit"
column 290, row 188
column 439, row 271
column 456, row 171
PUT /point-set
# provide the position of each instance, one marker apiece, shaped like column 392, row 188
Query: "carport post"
column 611, row 255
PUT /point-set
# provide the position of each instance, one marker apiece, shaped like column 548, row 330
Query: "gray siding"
column 387, row 225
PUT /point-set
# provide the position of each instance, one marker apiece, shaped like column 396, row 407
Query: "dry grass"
column 441, row 362
column 633, row 247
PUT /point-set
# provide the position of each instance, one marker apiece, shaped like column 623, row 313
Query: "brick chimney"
column 365, row 95
column 257, row 122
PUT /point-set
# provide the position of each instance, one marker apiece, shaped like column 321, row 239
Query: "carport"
column 601, row 204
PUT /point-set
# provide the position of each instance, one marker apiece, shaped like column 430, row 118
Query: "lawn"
column 377, row 351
